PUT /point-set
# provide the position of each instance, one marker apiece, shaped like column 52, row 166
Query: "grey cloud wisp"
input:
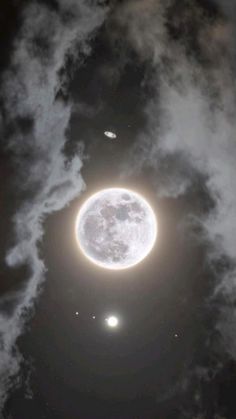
column 191, row 118
column 29, row 92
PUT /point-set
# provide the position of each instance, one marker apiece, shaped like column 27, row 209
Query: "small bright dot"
column 176, row 335
column 77, row 313
column 112, row 321
column 94, row 317
column 110, row 134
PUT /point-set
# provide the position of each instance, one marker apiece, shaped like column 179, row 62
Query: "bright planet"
column 116, row 228
column 110, row 135
column 112, row 321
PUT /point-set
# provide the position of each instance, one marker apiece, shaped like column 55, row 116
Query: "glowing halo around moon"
column 116, row 228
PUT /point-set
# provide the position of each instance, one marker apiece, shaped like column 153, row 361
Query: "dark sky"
column 161, row 75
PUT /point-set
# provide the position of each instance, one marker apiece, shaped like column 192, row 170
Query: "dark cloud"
column 191, row 126
column 35, row 123
column 228, row 6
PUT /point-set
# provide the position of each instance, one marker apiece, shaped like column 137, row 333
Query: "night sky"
column 160, row 74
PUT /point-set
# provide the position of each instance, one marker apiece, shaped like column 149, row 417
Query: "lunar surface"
column 116, row 228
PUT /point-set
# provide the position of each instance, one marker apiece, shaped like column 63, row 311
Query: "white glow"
column 110, row 134
column 112, row 321
column 140, row 238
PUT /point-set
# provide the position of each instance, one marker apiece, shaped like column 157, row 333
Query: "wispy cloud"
column 31, row 90
column 191, row 121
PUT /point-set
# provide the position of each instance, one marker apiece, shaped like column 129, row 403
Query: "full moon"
column 116, row 228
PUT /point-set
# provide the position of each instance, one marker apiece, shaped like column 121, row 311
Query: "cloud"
column 228, row 6
column 37, row 119
column 191, row 124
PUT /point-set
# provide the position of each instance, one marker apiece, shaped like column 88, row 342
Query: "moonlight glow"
column 116, row 228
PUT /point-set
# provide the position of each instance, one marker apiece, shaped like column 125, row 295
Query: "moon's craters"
column 116, row 228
